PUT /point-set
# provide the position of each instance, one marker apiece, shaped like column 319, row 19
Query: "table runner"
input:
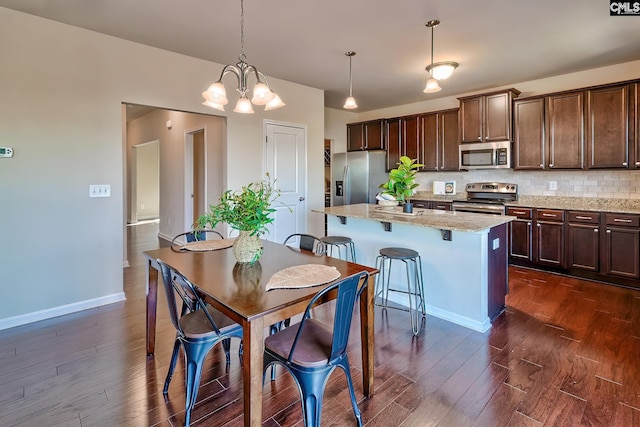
column 207, row 245
column 302, row 276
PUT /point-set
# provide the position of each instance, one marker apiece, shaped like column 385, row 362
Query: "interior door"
column 195, row 176
column 285, row 162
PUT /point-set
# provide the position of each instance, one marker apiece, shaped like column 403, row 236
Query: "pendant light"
column 439, row 70
column 350, row 103
column 216, row 95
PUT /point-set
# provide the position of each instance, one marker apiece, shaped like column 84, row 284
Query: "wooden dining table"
column 238, row 291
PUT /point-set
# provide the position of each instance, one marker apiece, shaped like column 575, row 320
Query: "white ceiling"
column 496, row 42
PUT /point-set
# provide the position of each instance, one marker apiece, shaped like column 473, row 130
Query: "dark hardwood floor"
column 566, row 352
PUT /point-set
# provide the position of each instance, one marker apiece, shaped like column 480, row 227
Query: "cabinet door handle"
column 479, row 138
column 621, row 220
column 637, row 163
column 609, row 231
column 538, row 225
column 624, row 163
column 583, row 217
column 595, row 230
column 529, row 224
column 541, row 165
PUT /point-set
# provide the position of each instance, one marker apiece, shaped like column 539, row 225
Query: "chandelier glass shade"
column 350, row 102
column 439, row 70
column 216, row 95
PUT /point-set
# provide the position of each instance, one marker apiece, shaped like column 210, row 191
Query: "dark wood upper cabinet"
column 635, row 123
column 448, row 133
column 607, row 127
column 430, row 138
column 565, row 129
column 529, row 136
column 487, row 117
column 393, row 137
column 430, row 141
column 411, row 139
column 365, row 136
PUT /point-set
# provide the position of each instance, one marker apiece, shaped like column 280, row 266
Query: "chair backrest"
column 348, row 293
column 307, row 242
column 176, row 283
column 193, row 236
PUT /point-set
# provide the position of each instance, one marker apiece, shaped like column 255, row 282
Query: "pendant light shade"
column 439, row 70
column 216, row 95
column 432, row 86
column 350, row 102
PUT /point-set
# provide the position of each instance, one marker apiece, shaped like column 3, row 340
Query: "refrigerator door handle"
column 347, row 186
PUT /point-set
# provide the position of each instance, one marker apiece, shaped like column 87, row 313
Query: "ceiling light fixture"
column 439, row 70
column 350, row 103
column 216, row 95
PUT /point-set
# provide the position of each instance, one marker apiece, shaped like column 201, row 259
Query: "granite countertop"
column 443, row 220
column 579, row 203
column 631, row 206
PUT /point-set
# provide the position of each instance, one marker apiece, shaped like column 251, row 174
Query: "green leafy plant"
column 401, row 181
column 246, row 210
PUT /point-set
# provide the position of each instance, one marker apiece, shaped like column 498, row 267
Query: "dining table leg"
column 252, row 370
column 366, row 337
column 152, row 304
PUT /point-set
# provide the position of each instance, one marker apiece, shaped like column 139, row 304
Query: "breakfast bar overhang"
column 464, row 255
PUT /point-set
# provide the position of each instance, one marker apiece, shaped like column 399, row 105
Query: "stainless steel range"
column 487, row 197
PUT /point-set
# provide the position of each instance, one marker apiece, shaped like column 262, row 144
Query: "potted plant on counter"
column 249, row 211
column 401, row 182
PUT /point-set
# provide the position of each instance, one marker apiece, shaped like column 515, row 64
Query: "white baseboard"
column 49, row 313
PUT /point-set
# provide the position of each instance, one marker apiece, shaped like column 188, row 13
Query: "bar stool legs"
column 413, row 270
column 341, row 243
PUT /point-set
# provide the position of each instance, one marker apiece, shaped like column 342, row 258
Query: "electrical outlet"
column 553, row 185
column 496, row 243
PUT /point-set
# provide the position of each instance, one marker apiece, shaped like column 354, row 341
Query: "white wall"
column 62, row 89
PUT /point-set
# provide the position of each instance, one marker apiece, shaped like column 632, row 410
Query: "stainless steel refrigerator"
column 356, row 175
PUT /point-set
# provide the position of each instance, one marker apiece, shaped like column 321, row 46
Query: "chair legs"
column 311, row 386
column 195, row 355
column 172, row 366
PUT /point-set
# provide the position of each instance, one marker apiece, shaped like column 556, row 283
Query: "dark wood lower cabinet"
column 583, row 242
column 600, row 246
column 622, row 252
column 550, row 243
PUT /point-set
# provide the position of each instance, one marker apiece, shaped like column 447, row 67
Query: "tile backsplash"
column 614, row 184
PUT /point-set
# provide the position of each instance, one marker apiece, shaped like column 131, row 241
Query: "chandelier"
column 439, row 70
column 216, row 95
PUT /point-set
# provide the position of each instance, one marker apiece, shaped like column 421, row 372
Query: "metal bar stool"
column 417, row 308
column 340, row 243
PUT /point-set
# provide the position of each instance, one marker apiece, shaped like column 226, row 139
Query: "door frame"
column 188, row 173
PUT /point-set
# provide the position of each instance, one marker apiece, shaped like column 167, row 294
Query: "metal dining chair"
column 306, row 242
column 199, row 327
column 311, row 351
column 193, row 236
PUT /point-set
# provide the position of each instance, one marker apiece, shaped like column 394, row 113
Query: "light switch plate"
column 100, row 190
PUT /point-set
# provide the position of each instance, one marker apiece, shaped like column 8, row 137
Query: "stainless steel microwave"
column 485, row 155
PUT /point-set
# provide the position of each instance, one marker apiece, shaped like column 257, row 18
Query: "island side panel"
column 455, row 272
column 498, row 270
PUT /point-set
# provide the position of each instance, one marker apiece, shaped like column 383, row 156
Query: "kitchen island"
column 464, row 256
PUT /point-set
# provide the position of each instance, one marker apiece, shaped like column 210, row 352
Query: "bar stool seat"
column 340, row 243
column 413, row 268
